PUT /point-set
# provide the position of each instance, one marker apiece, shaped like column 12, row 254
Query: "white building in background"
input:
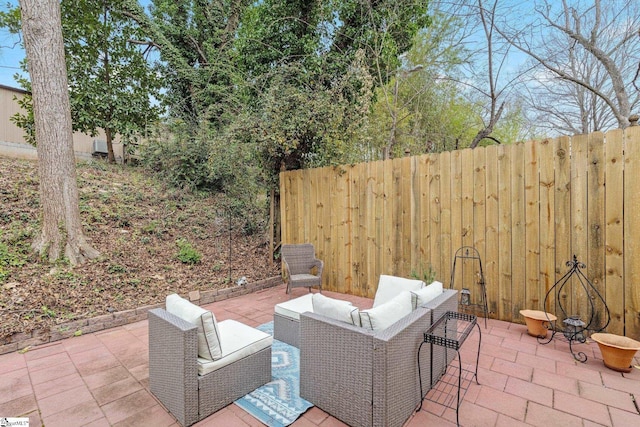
column 12, row 142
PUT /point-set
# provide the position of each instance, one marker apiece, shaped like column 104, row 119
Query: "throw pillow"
column 390, row 286
column 426, row 294
column 385, row 315
column 333, row 308
column 209, row 346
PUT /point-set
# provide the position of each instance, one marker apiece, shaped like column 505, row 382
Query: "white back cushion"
column 335, row 308
column 385, row 315
column 209, row 346
column 426, row 294
column 390, row 286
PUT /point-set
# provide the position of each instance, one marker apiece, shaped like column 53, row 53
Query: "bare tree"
column 487, row 78
column 494, row 64
column 635, row 78
column 61, row 225
column 587, row 55
column 563, row 107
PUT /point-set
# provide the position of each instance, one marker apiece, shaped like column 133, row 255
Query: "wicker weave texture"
column 336, row 368
column 286, row 329
column 396, row 371
column 298, row 260
column 225, row 385
column 362, row 377
column 173, row 371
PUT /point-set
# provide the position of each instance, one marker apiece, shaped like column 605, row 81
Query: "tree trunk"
column 61, row 225
column 111, row 157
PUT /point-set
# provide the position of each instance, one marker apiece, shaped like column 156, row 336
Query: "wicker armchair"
column 174, row 371
column 298, row 262
column 368, row 378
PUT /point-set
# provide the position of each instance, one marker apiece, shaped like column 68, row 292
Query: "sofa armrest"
column 173, row 369
column 336, row 365
column 448, row 301
column 319, row 264
column 395, row 368
column 286, row 271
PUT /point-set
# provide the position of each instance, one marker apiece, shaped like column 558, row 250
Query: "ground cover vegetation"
column 154, row 239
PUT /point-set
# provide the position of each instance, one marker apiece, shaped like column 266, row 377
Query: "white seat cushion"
column 239, row 340
column 381, row 317
column 426, row 294
column 336, row 309
column 390, row 286
column 294, row 307
column 209, row 342
column 303, row 276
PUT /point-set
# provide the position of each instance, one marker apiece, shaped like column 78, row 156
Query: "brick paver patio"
column 101, row 379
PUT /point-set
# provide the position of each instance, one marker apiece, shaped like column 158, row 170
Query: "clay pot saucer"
column 537, row 322
column 617, row 351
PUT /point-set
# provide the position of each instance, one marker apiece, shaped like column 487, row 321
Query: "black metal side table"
column 450, row 331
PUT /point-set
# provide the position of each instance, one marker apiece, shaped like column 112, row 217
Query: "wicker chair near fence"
column 298, row 262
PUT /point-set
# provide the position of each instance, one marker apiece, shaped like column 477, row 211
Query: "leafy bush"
column 426, row 274
column 211, row 161
column 179, row 156
column 187, row 253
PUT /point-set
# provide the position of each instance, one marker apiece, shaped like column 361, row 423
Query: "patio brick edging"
column 84, row 326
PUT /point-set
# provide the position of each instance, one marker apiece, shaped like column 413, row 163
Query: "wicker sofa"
column 365, row 377
column 192, row 388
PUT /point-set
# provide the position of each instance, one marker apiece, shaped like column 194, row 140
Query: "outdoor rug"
column 278, row 403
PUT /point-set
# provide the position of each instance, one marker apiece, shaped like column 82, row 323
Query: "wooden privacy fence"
column 527, row 208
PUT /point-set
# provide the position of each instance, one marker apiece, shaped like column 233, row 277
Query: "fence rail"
column 527, row 208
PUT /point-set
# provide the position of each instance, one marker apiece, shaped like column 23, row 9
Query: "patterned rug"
column 278, row 403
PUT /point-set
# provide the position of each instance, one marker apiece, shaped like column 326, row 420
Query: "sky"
column 10, row 56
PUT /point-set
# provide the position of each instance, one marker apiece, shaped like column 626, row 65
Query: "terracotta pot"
column 617, row 351
column 537, row 322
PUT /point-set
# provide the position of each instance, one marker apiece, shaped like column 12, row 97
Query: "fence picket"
column 632, row 232
column 595, row 218
column 491, row 256
column 445, row 217
column 614, row 231
column 579, row 221
column 504, row 230
column 563, row 211
column 532, row 226
column 547, row 275
column 435, row 219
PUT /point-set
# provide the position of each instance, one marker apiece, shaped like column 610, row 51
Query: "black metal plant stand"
column 574, row 327
column 467, row 302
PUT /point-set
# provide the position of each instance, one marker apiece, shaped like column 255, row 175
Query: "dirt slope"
column 135, row 222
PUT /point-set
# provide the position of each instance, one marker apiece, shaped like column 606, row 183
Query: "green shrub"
column 8, row 260
column 48, row 312
column 116, row 268
column 426, row 274
column 187, row 253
